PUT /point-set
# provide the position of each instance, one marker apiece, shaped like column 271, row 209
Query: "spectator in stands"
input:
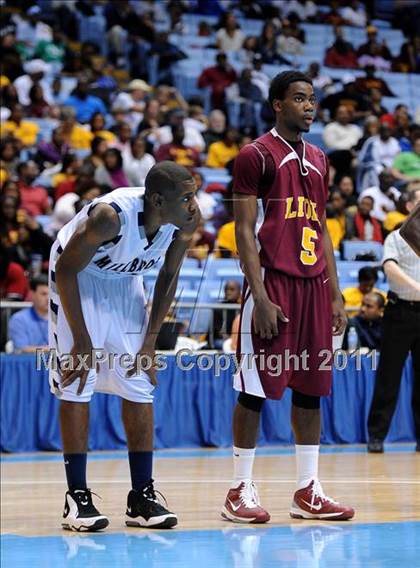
column 216, row 127
column 220, row 153
column 408, row 60
column 11, row 57
column 229, row 37
column 337, row 217
column 251, row 9
column 137, row 161
column 112, row 172
column 223, row 319
column 52, row 50
column 10, row 187
column 34, row 199
column 25, row 131
column 74, row 134
column 202, row 243
column 52, row 152
column 346, row 185
column 218, row 78
column 373, row 47
column 133, row 100
column 370, row 81
column 364, row 226
column 31, row 30
column 13, row 282
column 9, row 156
column 123, row 137
column 170, row 99
column 259, row 77
column 168, row 54
column 406, row 165
column 370, row 128
column 38, row 107
column 368, row 322
column 70, row 167
column 400, row 336
column 98, row 147
column 354, row 14
column 355, row 103
column 384, row 195
column 341, row 134
column 268, row 47
column 353, row 297
column 376, row 154
column 394, row 219
column 66, row 206
column 84, row 178
column 84, row 104
column 226, row 241
column 97, row 128
column 333, row 17
column 341, row 53
column 163, row 135
column 28, row 328
column 248, row 50
column 320, row 82
column 290, row 39
column 35, row 71
column 376, row 108
column 152, row 118
column 176, row 151
column 303, row 9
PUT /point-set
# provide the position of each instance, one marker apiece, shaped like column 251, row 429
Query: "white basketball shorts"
column 116, row 319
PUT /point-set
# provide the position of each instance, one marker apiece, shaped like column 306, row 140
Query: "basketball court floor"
column 384, row 489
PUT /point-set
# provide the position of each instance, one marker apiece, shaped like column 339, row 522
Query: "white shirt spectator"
column 341, row 136
column 382, row 204
column 31, row 35
column 385, row 151
column 24, row 83
column 192, row 137
column 355, row 16
column 229, row 43
column 124, row 101
column 290, row 45
column 304, row 11
column 138, row 169
column 262, row 81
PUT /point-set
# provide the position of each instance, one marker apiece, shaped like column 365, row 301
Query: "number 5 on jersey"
column 307, row 255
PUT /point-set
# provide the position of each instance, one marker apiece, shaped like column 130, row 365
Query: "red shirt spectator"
column 177, row 152
column 218, row 78
column 13, row 282
column 34, row 199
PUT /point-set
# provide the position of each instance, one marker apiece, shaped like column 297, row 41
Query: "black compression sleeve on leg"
column 250, row 401
column 305, row 401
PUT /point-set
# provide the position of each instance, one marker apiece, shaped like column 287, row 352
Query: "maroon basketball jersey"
column 291, row 186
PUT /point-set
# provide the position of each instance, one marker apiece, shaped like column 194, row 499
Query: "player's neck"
column 287, row 134
column 152, row 220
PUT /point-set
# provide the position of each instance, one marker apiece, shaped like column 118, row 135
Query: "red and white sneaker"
column 242, row 505
column 311, row 503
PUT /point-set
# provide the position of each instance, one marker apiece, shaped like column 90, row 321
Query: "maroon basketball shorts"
column 299, row 357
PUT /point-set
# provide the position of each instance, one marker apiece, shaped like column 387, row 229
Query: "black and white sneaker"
column 145, row 510
column 80, row 514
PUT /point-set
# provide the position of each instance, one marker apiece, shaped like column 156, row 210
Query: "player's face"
column 297, row 109
column 183, row 207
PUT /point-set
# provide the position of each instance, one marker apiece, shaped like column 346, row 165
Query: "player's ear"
column 277, row 105
column 157, row 199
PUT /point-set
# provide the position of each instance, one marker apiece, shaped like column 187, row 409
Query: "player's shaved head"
column 167, row 178
column 282, row 81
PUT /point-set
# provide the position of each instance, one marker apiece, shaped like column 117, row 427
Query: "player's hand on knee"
column 144, row 361
column 80, row 363
column 339, row 317
column 266, row 316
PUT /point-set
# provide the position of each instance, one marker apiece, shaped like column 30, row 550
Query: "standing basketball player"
column 97, row 302
column 291, row 302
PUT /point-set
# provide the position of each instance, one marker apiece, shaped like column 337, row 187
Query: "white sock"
column 243, row 460
column 306, row 464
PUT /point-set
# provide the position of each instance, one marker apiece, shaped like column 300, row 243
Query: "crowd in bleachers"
column 93, row 93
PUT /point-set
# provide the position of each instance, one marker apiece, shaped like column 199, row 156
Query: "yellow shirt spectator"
column 105, row 134
column 220, row 153
column 392, row 219
column 353, row 299
column 226, row 239
column 25, row 131
column 80, row 138
column 336, row 232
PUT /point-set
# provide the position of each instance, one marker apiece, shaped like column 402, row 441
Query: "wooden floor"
column 381, row 488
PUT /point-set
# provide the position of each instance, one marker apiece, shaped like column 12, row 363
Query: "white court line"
column 217, row 481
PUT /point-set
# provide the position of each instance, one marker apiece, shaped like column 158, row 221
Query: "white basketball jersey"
column 130, row 252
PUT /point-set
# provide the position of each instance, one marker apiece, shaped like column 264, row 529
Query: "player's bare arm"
column 266, row 314
column 102, row 225
column 338, row 311
column 164, row 293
